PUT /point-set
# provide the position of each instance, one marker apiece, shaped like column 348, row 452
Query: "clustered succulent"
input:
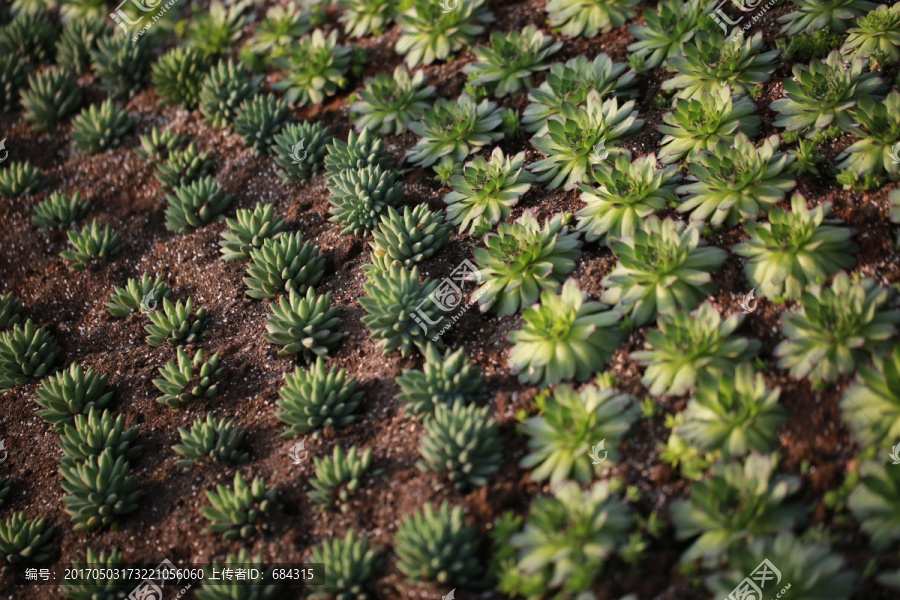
column 98, row 129
column 318, row 397
column 310, row 138
column 273, row 36
column 237, row 513
column 100, row 581
column 349, row 565
column 878, row 124
column 875, row 392
column 140, row 295
column 29, row 38
column 92, row 433
column 316, row 68
column 101, row 489
column 506, row 67
column 26, row 354
column 215, row 438
column 72, row 392
column 283, row 263
column 876, row 36
column 388, row 103
column 189, row 378
column 220, row 588
column 250, row 230
column 410, row 237
column 176, row 324
column 123, row 65
column 91, row 243
column 874, row 504
column 222, row 91
column 454, row 128
column 444, row 379
column 360, row 197
column 59, row 211
column 665, row 31
column 23, row 539
column 304, row 324
column 216, row 30
column 361, row 17
column 78, row 39
column 588, row 17
column 11, row 312
column 20, row 178
column 183, row 167
column 258, row 119
column 338, row 476
column 812, row 15
column 193, row 205
column 158, row 145
column 177, row 76
column 51, row 96
column 428, row 33
column 359, row 151
column 13, row 77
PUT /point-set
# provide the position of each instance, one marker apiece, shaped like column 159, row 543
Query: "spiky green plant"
column 360, row 151
column 360, row 198
column 123, row 65
column 570, row 83
column 349, row 565
column 90, row 244
column 137, row 295
column 316, row 68
column 836, row 329
column 30, row 39
column 824, row 92
column 428, row 33
column 283, row 263
column 398, row 309
column 806, row 156
column 193, row 205
column 663, row 268
column 318, row 397
column 216, row 587
column 738, row 504
column 94, row 432
column 184, row 167
column 59, row 211
column 222, row 91
column 217, row 29
column 454, row 128
column 72, row 11
column 665, row 31
column 589, row 18
column 813, row 15
column 361, row 18
column 878, row 124
column 78, row 39
column 486, row 190
column 388, row 103
column 32, row 7
column 737, row 181
column 446, row 169
column 11, row 311
column 26, row 354
column 20, row 178
column 101, row 583
column 576, row 137
column 444, row 379
column 188, row 379
column 411, row 237
column 250, row 230
column 237, row 513
column 874, row 504
column 274, row 35
column 305, row 325
column 174, row 324
column 570, row 424
column 23, row 539
column 72, row 392
column 13, row 77
column 463, row 442
column 300, row 151
column 687, row 346
column 51, row 96
column 564, row 337
column 98, row 129
column 711, row 61
column 215, row 438
column 876, row 35
column 523, row 260
column 338, row 476
column 871, row 406
column 506, row 67
column 177, row 76
column 158, row 145
column 259, row 119
column 795, row 249
column 101, row 489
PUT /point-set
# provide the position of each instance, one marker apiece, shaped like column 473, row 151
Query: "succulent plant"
column 361, row 197
column 874, row 504
column 665, row 31
column 13, row 77
column 259, row 119
column 98, row 129
column 226, row 589
column 360, row 151
column 878, row 124
column 317, row 67
column 236, row 513
column 91, row 243
column 20, row 178
column 564, row 337
column 29, row 38
column 59, row 211
column 428, row 33
column 94, row 432
column 338, row 476
column 72, row 392
column 813, row 15
column 736, row 181
column 137, row 295
column 876, row 35
column 178, row 75
column 223, row 89
column 188, row 379
column 454, row 128
column 589, row 18
column 51, row 96
column 101, row 489
column 875, row 392
column 26, row 354
column 312, row 139
column 283, row 263
column 737, row 505
column 576, row 137
column 100, row 582
column 687, row 346
column 505, row 68
column 397, row 309
column 523, row 260
column 361, row 18
column 173, row 324
column 388, row 103
column 215, row 438
column 570, row 83
column 795, row 249
column 304, row 325
column 23, row 539
column 410, row 238
column 437, row 545
column 250, row 231
column 122, row 64
column 444, row 379
column 711, row 61
column 569, row 425
column 158, row 145
column 662, row 268
column 447, row 168
column 824, row 92
column 274, row 35
column 316, row 398
column 486, row 190
column 193, row 205
column 218, row 29
column 184, row 167
column 32, row 7
column 78, row 39
column 836, row 329
column 349, row 564
column 11, row 312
